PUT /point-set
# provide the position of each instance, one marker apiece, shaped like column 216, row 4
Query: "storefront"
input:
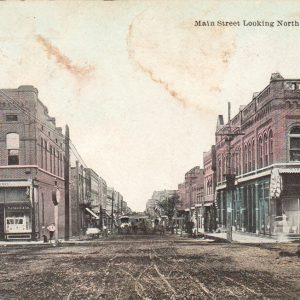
column 16, row 210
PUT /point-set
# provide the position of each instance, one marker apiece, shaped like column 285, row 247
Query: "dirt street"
column 154, row 268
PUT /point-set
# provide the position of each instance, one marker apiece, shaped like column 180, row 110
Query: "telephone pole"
column 229, row 134
column 67, row 178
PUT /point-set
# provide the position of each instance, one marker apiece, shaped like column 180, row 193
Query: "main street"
column 150, row 268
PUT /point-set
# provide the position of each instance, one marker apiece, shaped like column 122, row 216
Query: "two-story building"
column 264, row 157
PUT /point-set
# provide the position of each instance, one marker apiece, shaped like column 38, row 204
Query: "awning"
column 290, row 170
column 208, row 204
column 92, row 213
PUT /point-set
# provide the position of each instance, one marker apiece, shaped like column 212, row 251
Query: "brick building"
column 78, row 198
column 194, row 200
column 265, row 160
column 31, row 166
column 209, row 210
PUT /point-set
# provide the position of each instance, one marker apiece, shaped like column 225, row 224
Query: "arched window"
column 253, row 155
column 245, row 159
column 249, row 157
column 266, row 152
column 260, row 152
column 294, row 141
column 42, row 153
column 46, row 155
column 12, row 146
column 271, row 146
column 223, row 168
column 239, row 161
column 219, row 170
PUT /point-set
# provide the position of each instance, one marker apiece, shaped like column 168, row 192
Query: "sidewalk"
column 240, row 237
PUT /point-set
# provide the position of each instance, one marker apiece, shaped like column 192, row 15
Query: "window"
column 11, row 118
column 253, row 155
column 266, row 153
column 294, row 141
column 245, row 159
column 249, row 157
column 260, row 153
column 42, row 153
column 12, row 146
column 50, row 158
column 271, row 146
column 219, row 170
column 223, row 169
column 46, row 156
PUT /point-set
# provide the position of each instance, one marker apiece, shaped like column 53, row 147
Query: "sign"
column 21, row 206
column 14, row 183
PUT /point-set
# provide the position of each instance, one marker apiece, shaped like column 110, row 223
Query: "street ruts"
column 150, row 268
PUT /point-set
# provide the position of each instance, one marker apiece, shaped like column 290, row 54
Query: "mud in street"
column 153, row 268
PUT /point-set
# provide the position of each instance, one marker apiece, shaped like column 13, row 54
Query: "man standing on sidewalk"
column 51, row 229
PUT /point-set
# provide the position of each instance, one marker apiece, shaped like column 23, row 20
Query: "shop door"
column 1, row 221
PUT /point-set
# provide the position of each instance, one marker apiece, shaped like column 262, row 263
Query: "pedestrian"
column 51, row 229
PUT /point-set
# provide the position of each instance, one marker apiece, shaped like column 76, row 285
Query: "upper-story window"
column 249, row 157
column 12, row 146
column 266, row 151
column 219, row 170
column 245, row 159
column 11, row 118
column 271, row 146
column 253, row 155
column 260, row 152
column 294, row 141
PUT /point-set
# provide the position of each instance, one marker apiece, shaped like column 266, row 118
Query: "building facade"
column 78, row 192
column 264, row 158
column 209, row 211
column 194, row 200
column 31, row 166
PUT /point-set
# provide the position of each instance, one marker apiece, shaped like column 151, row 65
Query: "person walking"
column 51, row 229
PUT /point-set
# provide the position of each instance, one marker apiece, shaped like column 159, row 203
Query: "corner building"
column 265, row 160
column 31, row 166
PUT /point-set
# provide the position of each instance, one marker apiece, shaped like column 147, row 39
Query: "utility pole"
column 229, row 135
column 112, row 209
column 67, row 179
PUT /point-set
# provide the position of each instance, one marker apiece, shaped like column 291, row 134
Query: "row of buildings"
column 250, row 180
column 39, row 167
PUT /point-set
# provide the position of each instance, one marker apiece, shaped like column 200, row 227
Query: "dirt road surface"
column 152, row 268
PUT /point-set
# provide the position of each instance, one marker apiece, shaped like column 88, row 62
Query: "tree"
column 169, row 206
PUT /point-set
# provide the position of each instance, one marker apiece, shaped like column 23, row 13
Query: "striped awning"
column 290, row 170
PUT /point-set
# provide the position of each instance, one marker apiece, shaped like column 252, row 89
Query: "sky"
column 140, row 85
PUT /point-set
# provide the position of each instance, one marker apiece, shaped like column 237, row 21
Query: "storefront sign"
column 14, row 183
column 21, row 206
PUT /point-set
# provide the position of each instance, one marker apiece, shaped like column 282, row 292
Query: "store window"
column 294, row 142
column 12, row 146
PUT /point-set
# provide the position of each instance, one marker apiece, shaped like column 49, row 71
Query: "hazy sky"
column 139, row 85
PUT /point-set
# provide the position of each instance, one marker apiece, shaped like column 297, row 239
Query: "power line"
column 26, row 112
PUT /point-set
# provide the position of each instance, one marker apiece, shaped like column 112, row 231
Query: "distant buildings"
column 153, row 208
